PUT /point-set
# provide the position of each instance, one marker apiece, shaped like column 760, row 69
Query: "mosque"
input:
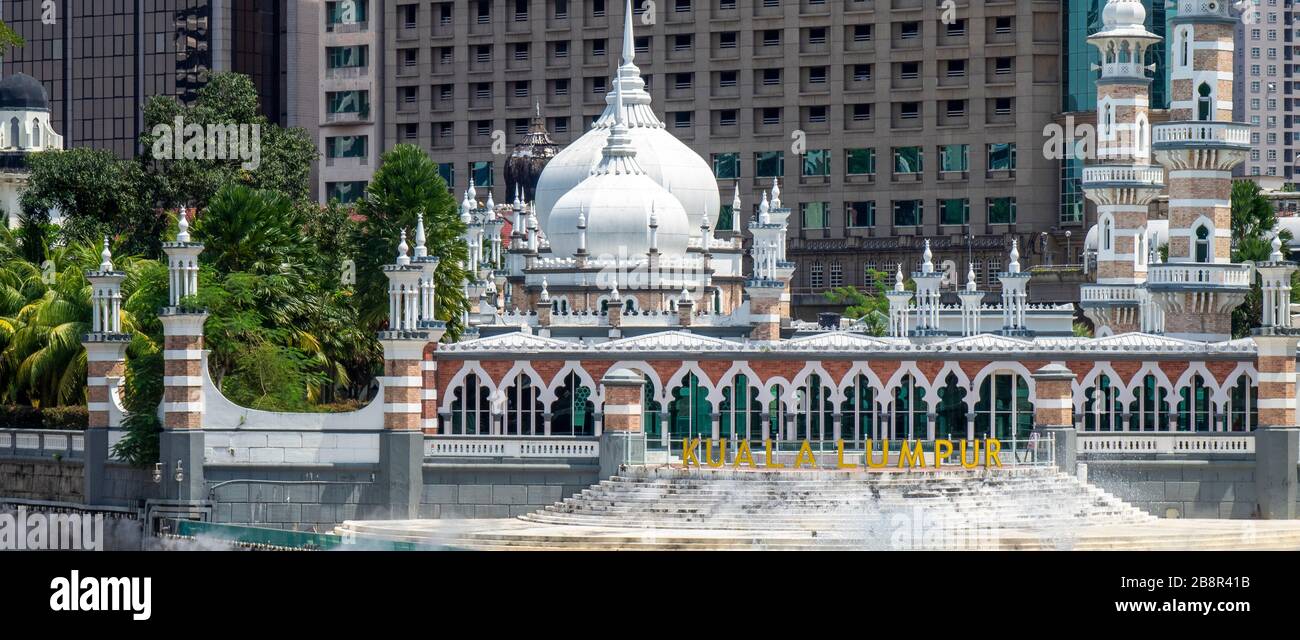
column 607, row 322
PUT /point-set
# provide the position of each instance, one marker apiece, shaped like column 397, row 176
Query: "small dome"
column 1090, row 242
column 21, row 92
column 1124, row 13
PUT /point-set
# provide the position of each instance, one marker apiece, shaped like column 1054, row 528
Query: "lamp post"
column 1068, row 233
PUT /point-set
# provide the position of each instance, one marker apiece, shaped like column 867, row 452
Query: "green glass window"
column 860, row 162
column 858, row 411
column 726, row 219
column 345, row 147
column 345, row 12
column 954, row 211
column 689, row 411
column 448, row 172
column 817, row 162
column 908, row 159
column 1002, row 210
column 814, row 420
column 1194, row 406
column 1149, row 410
column 346, row 57
column 954, row 157
column 345, row 192
column 348, row 102
column 1002, row 156
column 861, row 214
column 907, row 213
column 573, row 413
column 1004, row 410
column 769, row 164
column 950, row 415
column 910, row 407
column 481, row 171
column 1101, row 407
column 740, row 412
column 1243, row 405
column 726, row 166
column 815, row 215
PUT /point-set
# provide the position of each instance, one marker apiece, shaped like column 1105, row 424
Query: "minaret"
column 927, row 295
column 769, row 286
column 427, row 321
column 1014, row 295
column 181, row 443
column 1277, row 438
column 1198, row 286
column 1122, row 181
column 899, row 299
column 972, row 300
column 401, row 443
column 105, row 370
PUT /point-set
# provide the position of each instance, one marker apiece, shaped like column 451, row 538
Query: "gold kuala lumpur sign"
column 910, row 457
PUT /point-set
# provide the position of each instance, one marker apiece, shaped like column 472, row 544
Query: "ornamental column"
column 1054, row 413
column 181, row 442
column 400, row 478
column 1277, row 438
column 105, row 370
column 622, row 439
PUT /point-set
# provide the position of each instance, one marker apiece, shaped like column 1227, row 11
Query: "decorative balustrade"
column 1174, row 133
column 1107, row 293
column 1219, row 275
column 42, row 443
column 1123, row 173
column 507, row 447
column 1166, row 443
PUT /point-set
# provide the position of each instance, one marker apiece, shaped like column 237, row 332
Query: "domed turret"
column 525, row 165
column 619, row 200
column 664, row 158
column 21, row 92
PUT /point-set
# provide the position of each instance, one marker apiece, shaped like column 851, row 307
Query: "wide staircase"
column 673, row 508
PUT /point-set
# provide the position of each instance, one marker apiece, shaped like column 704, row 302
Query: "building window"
column 816, row 276
column 954, row 211
column 447, row 171
column 481, row 172
column 345, row 192
column 908, row 213
column 772, row 115
column 814, row 215
column 817, row 162
column 860, row 215
column 1002, row 156
column 682, row 119
column 908, row 159
column 727, row 118
column 1002, row 210
column 769, row 164
column 954, row 158
column 837, row 275
column 860, row 162
column 861, row 112
column 726, row 166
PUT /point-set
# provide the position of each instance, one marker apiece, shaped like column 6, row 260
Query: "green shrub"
column 17, row 416
column 71, row 418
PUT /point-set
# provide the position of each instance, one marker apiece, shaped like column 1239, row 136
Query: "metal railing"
column 708, row 453
column 42, row 443
column 510, row 447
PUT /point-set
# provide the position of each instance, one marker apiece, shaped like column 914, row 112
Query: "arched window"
column 524, row 408
column 1140, row 253
column 950, row 416
column 1183, row 48
column 814, row 421
column 717, row 301
column 1105, row 234
column 1125, row 52
column 740, row 412
column 689, row 411
column 910, row 407
column 858, row 421
column 15, row 134
column 561, row 305
column 36, row 133
column 1101, row 409
column 1150, row 406
column 469, row 408
column 776, row 411
column 1109, row 132
column 1004, row 410
column 1204, row 103
column 572, row 413
column 1202, row 243
column 1243, row 409
column 651, row 417
column 1194, row 407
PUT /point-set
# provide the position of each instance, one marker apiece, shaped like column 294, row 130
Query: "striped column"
column 765, row 304
column 105, row 368
column 403, row 379
column 182, row 368
column 1277, row 438
column 622, row 437
column 1054, row 412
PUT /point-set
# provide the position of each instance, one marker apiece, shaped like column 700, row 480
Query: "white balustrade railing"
column 507, row 447
column 1122, row 173
column 1227, row 275
column 1106, row 443
column 1226, row 132
column 1105, row 293
column 41, row 443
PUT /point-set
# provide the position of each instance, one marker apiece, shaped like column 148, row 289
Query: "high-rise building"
column 1261, row 98
column 887, row 122
column 101, row 60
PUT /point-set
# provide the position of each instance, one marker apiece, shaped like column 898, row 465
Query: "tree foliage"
column 872, row 310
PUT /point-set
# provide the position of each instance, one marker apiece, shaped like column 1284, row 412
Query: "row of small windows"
column 952, row 158
column 908, row 213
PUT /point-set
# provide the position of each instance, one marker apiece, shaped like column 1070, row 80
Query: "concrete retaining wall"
column 41, row 479
column 1180, row 488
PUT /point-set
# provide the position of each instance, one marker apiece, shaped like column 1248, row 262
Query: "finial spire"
column 420, row 250
column 776, row 193
column 1276, row 256
column 898, row 279
column 106, row 257
column 182, row 227
column 402, row 248
column 546, row 293
column 1014, row 267
column 629, row 47
column 735, row 201
column 927, row 259
column 970, row 278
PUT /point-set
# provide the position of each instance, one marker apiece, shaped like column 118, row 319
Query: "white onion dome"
column 1124, row 13
column 620, row 201
column 664, row 158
